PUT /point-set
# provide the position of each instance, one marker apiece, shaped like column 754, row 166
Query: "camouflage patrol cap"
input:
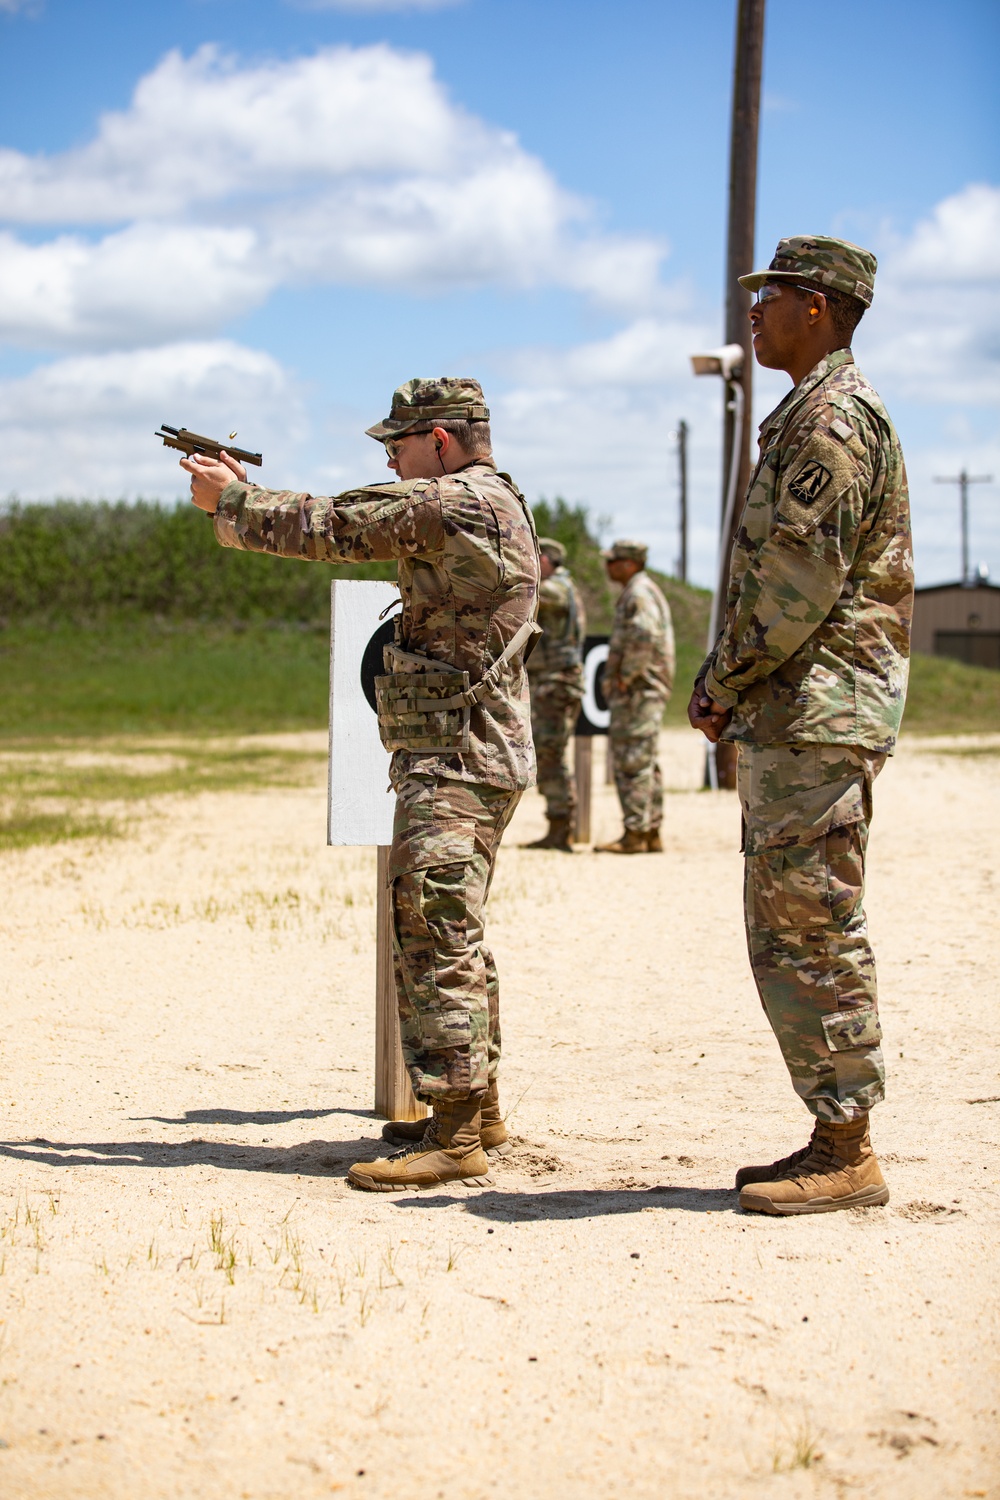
column 817, row 258
column 626, row 551
column 424, row 402
column 552, row 549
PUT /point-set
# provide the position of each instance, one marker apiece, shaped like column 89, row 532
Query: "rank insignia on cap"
column 811, row 479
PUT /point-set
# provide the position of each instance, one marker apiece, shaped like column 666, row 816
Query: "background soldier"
column 638, row 677
column 555, row 676
column 809, row 675
column 468, row 576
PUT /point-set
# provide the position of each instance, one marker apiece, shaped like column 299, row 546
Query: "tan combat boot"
column 492, row 1131
column 839, row 1170
column 557, row 837
column 631, row 842
column 654, row 844
column 450, row 1151
column 777, row 1169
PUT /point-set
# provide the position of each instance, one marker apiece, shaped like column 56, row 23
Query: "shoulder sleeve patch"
column 813, row 481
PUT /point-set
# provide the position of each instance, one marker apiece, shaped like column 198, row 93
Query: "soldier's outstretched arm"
column 376, row 522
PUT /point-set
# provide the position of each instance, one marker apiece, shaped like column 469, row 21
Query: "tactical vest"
column 426, row 705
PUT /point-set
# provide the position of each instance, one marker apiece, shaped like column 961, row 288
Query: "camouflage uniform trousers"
column 444, row 846
column 806, row 814
column 555, row 707
column 634, row 733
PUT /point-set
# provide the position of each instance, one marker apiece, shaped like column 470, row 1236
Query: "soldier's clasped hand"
column 706, row 715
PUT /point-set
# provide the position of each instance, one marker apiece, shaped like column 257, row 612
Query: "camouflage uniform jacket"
column 816, row 640
column 558, row 654
column 468, row 576
column 641, row 649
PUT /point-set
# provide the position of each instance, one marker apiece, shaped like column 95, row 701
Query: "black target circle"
column 372, row 665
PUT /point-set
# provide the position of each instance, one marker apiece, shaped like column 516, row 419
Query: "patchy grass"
column 118, row 772
column 24, row 827
column 991, row 749
column 50, row 793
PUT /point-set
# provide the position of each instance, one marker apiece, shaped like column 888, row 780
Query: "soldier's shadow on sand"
column 332, row 1159
column 577, row 1203
column 304, row 1158
column 246, row 1116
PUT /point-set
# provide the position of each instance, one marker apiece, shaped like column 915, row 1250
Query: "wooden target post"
column 360, row 806
column 394, row 1098
column 592, row 721
column 583, row 766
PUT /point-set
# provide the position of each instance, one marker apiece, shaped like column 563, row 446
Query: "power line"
column 963, row 480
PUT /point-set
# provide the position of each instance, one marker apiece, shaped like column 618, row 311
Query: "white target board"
column 360, row 805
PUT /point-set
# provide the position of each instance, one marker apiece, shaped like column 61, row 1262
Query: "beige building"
column 959, row 620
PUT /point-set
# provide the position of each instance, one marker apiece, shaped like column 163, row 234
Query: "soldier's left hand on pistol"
column 209, row 477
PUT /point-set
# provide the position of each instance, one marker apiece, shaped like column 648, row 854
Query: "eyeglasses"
column 391, row 445
column 771, row 290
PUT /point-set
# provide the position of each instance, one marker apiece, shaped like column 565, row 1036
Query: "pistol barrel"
column 189, row 442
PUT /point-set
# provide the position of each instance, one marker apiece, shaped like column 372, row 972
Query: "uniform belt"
column 488, row 680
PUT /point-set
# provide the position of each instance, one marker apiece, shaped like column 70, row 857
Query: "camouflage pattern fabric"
column 555, row 676
column 815, row 644
column 555, row 708
column 823, row 261
column 806, row 814
column 421, row 403
column 636, row 768
column 444, row 845
column 468, row 576
column 638, row 677
column 641, row 648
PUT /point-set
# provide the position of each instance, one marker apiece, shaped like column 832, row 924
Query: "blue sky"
column 273, row 233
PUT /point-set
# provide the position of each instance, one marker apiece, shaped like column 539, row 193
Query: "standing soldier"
column 809, row 675
column 638, row 677
column 453, row 709
column 555, row 675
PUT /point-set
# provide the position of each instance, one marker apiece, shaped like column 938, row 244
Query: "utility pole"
column 740, row 260
column 682, row 456
column 963, row 480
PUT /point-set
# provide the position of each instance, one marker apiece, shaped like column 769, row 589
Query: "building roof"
column 976, row 583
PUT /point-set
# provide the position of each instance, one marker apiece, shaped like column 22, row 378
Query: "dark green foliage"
column 86, row 561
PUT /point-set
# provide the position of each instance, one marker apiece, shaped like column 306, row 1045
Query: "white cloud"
column 143, row 283
column 960, row 242
column 933, row 334
column 349, row 166
column 84, row 426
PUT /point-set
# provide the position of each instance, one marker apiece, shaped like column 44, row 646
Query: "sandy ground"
column 194, row 1303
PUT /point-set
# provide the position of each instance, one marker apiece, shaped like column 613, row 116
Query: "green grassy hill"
column 118, row 619
column 130, row 619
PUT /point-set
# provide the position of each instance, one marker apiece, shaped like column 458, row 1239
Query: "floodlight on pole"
column 727, row 362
